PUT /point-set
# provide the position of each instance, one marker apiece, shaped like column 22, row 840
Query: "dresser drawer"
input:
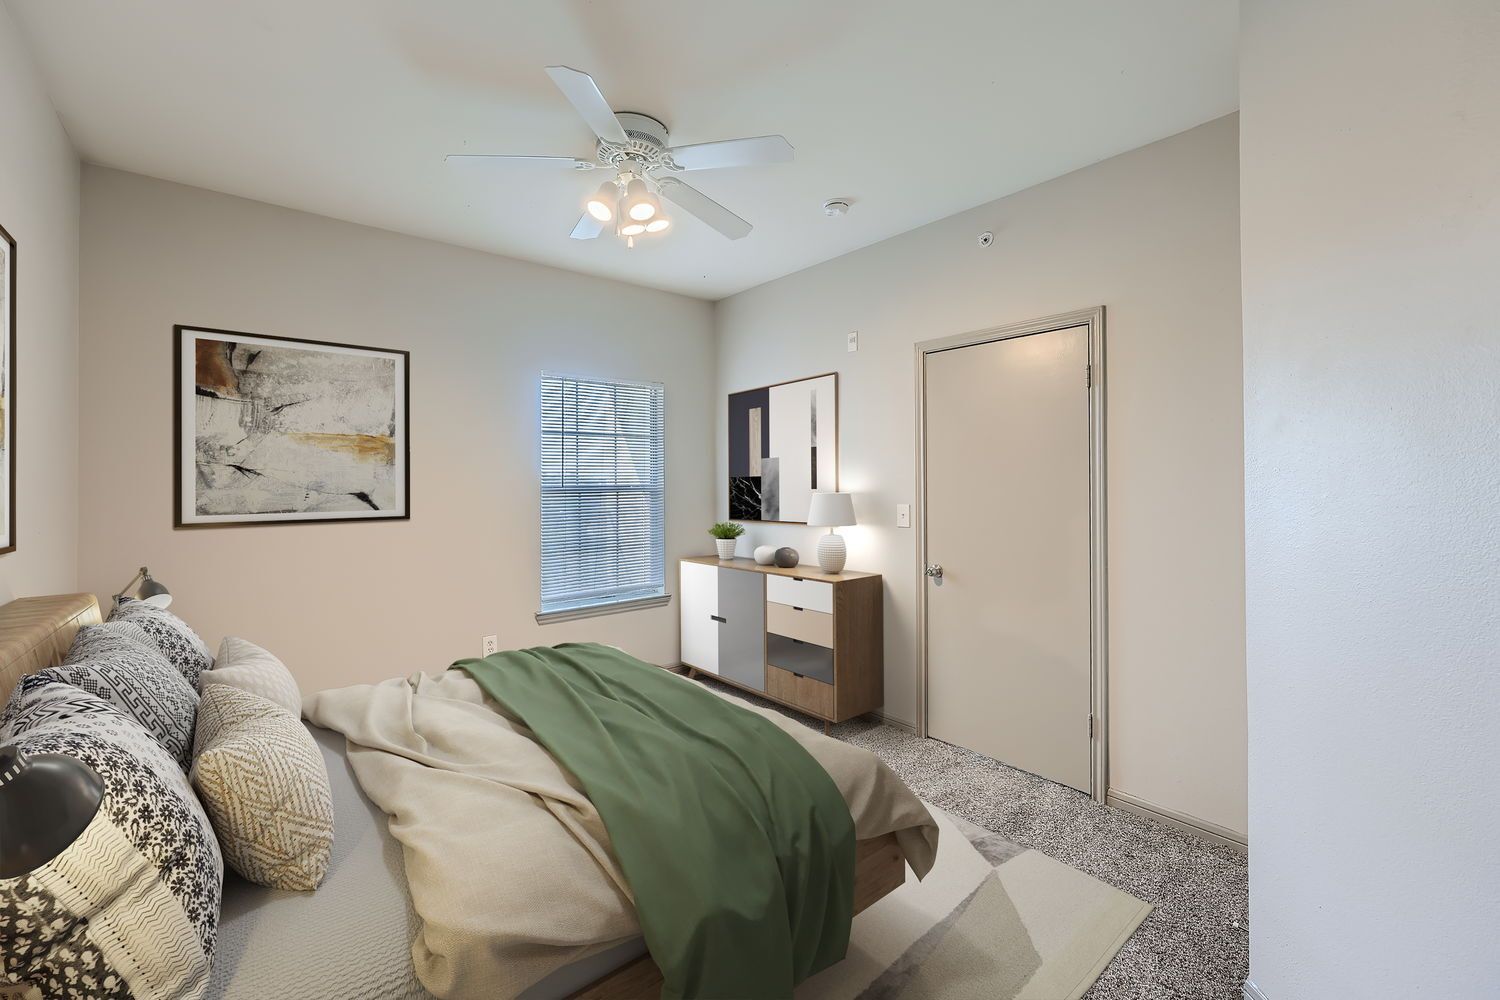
column 800, row 657
column 799, row 623
column 813, row 595
column 802, row 692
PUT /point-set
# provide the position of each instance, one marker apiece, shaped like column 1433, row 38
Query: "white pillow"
column 244, row 665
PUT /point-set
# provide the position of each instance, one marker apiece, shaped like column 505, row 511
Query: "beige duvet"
column 508, row 863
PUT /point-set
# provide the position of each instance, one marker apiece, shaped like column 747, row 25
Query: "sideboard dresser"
column 806, row 639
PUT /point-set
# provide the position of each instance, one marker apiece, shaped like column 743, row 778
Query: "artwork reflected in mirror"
column 272, row 429
column 783, row 448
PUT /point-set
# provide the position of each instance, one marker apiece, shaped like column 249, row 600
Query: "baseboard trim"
column 898, row 723
column 1211, row 832
column 1251, row 991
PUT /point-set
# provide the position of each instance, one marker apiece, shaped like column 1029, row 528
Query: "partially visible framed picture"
column 7, row 392
column 279, row 430
column 783, row 448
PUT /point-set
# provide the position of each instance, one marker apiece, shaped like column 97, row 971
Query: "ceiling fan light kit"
column 635, row 147
column 601, row 205
column 640, row 203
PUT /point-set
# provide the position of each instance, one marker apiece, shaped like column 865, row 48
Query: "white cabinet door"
column 698, row 589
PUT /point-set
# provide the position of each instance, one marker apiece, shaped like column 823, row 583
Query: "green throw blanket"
column 737, row 845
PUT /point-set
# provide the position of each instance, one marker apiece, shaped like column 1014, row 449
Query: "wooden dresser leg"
column 827, row 727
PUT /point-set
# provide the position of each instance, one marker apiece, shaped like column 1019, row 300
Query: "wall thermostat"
column 986, row 238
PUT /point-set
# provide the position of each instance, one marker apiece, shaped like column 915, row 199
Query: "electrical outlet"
column 491, row 645
column 853, row 341
column 903, row 515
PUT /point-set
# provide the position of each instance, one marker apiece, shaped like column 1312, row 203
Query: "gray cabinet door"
column 742, row 633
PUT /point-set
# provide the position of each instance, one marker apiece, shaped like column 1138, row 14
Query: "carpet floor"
column 1195, row 944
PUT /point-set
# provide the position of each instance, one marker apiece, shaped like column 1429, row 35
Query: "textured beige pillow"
column 246, row 666
column 262, row 781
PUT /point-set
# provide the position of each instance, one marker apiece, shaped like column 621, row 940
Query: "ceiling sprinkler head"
column 835, row 208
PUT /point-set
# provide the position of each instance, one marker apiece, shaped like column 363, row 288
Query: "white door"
column 1007, row 518
column 698, row 589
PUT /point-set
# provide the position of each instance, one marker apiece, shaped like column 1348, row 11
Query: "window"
column 603, row 485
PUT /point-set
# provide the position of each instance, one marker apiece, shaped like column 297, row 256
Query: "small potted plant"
column 726, row 536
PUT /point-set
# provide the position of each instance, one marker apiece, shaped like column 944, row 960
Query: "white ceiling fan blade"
column 484, row 158
column 691, row 200
column 581, row 91
column 588, row 228
column 733, row 153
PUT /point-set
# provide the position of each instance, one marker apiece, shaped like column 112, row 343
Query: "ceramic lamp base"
column 832, row 553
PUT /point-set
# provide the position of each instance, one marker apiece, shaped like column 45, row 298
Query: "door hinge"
column 1091, row 725
column 1088, row 376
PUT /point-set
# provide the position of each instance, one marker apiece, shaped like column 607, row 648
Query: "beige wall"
column 1153, row 235
column 1371, row 200
column 39, row 208
column 361, row 602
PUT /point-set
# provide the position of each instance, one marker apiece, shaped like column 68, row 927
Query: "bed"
column 357, row 929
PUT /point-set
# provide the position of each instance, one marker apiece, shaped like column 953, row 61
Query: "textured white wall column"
column 1370, row 173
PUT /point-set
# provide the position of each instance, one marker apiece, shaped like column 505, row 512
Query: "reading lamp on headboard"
column 150, row 591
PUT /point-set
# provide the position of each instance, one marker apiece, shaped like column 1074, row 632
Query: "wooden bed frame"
column 35, row 633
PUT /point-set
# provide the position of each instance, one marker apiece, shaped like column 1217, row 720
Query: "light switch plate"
column 853, row 341
column 903, row 515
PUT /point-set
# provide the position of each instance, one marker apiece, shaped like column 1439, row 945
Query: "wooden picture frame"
column 760, row 489
column 8, row 391
column 283, row 430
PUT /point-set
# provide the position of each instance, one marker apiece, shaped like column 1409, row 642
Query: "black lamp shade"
column 46, row 801
column 151, row 588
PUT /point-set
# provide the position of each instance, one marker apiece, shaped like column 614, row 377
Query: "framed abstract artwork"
column 7, row 392
column 279, row 430
column 783, row 448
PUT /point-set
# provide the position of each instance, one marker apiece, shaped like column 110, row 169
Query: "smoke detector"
column 835, row 208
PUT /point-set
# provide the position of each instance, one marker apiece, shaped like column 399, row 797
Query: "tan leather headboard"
column 35, row 633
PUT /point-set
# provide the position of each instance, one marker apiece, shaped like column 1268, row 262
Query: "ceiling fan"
column 634, row 146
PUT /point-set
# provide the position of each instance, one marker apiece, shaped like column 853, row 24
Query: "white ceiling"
column 912, row 111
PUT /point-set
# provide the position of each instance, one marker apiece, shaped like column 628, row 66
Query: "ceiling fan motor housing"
column 646, row 143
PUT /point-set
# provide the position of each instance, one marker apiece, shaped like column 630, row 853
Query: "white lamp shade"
column 831, row 510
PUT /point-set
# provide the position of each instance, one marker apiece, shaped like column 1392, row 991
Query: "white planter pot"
column 726, row 547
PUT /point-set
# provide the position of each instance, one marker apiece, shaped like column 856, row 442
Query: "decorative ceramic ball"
column 786, row 557
column 765, row 554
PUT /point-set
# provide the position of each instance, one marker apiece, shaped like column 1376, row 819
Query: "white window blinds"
column 603, row 485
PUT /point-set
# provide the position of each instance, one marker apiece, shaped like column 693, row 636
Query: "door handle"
column 721, row 621
column 933, row 570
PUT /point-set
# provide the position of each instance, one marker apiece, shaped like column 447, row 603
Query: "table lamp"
column 831, row 510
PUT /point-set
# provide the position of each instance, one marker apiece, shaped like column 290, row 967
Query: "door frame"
column 1098, row 582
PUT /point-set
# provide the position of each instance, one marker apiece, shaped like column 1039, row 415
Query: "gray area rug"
column 1195, row 943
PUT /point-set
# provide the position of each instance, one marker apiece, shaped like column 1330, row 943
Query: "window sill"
column 597, row 610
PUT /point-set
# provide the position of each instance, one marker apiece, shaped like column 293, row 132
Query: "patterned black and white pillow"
column 178, row 643
column 145, row 687
column 142, row 884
